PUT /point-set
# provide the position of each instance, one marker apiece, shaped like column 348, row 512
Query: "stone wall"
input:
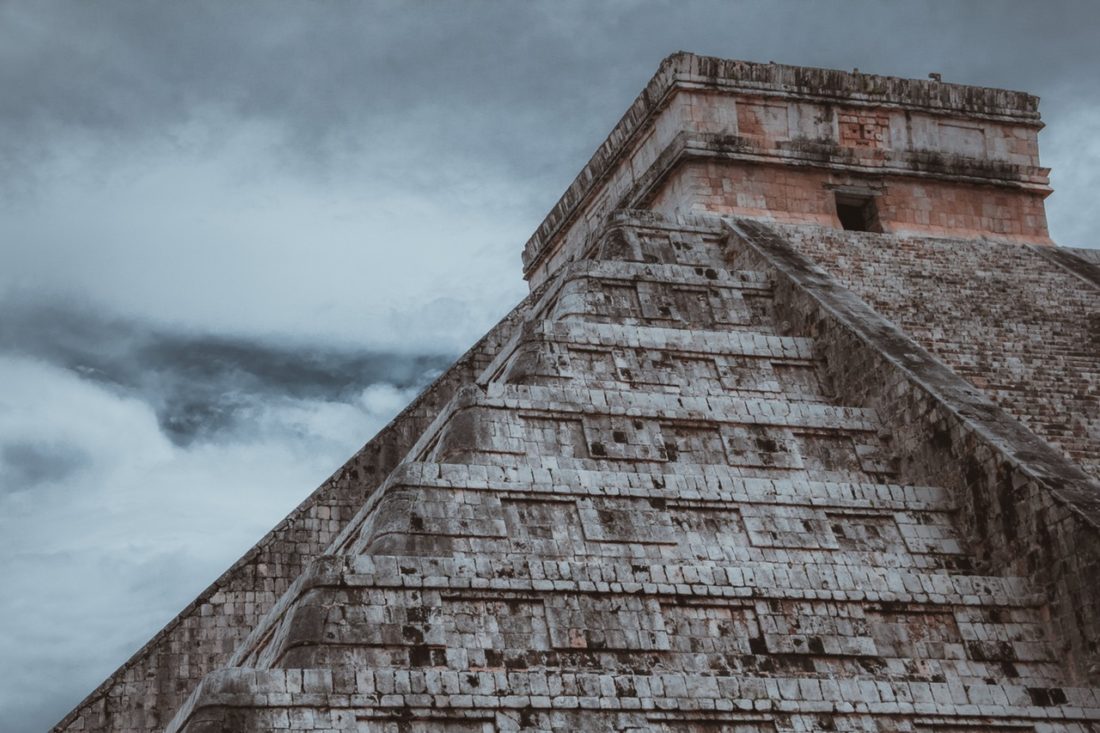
column 694, row 486
column 807, row 196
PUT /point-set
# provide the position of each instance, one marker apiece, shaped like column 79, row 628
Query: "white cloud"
column 1071, row 137
column 96, row 560
column 384, row 400
column 232, row 240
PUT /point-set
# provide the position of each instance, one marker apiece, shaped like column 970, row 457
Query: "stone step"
column 658, row 294
column 520, row 573
column 470, row 631
column 438, row 509
column 616, row 615
column 586, row 428
column 695, row 341
column 443, row 521
column 666, row 360
column 640, row 403
column 358, row 699
column 713, row 483
column 660, row 272
column 888, row 524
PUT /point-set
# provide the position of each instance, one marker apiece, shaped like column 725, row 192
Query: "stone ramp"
column 1015, row 321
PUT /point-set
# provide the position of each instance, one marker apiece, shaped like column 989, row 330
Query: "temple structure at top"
column 797, row 430
column 811, row 146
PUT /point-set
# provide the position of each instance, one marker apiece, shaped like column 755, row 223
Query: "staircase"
column 650, row 514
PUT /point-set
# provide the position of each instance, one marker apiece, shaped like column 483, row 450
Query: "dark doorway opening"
column 857, row 213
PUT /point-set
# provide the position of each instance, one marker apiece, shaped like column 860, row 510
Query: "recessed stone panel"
column 599, row 623
column 916, row 634
column 554, row 436
column 708, row 532
column 817, row 628
column 624, row 520
column 833, row 452
column 760, row 446
column 496, row 624
column 747, row 374
column 544, row 526
column 623, row 438
column 688, row 443
column 788, row 527
column 710, row 629
column 866, row 532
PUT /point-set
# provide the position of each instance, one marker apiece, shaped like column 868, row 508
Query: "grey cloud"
column 25, row 464
column 530, row 86
column 201, row 386
column 332, row 76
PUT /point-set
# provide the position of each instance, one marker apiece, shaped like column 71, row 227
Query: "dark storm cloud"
column 507, row 81
column 209, row 385
column 25, row 464
column 201, row 386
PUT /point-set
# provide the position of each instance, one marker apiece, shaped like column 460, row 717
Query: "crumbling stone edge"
column 1026, row 508
column 1071, row 262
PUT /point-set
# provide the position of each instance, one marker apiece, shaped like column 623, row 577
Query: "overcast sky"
column 236, row 237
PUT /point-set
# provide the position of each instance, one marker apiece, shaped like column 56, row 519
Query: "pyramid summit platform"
column 797, row 430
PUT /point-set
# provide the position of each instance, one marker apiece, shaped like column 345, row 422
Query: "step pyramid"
column 650, row 512
column 734, row 464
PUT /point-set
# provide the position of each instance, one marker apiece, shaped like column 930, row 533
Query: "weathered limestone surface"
column 1024, row 506
column 1089, row 255
column 728, row 468
column 804, row 196
column 653, row 511
column 1019, row 326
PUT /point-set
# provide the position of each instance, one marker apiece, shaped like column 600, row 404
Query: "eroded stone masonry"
column 798, row 430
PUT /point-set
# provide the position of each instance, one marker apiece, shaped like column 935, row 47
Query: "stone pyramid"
column 697, row 481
